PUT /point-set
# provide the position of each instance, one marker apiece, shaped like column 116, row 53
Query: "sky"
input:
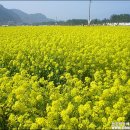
column 65, row 10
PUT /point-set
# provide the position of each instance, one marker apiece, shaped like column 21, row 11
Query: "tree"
column 120, row 18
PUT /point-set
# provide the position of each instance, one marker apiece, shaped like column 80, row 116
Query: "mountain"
column 31, row 18
column 8, row 17
column 22, row 15
column 19, row 17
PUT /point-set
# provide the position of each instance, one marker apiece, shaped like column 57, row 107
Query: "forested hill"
column 14, row 16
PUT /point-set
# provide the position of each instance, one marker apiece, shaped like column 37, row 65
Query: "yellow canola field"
column 75, row 78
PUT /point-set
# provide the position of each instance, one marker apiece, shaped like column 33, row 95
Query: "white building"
column 118, row 24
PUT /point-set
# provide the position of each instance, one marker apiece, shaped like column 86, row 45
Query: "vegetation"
column 122, row 18
column 68, row 22
column 74, row 78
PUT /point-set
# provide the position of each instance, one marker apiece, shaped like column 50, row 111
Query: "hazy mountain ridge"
column 19, row 17
column 7, row 16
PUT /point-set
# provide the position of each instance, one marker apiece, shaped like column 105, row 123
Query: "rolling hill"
column 18, row 17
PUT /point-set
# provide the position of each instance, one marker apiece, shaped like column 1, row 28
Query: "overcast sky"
column 64, row 10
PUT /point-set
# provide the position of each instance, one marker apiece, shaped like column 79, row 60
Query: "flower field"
column 75, row 78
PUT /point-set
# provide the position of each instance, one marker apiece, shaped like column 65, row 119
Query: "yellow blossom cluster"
column 75, row 78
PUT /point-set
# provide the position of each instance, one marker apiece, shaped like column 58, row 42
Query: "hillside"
column 15, row 16
column 31, row 18
column 7, row 16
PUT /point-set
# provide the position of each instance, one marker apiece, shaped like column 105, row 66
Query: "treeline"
column 121, row 18
column 68, row 22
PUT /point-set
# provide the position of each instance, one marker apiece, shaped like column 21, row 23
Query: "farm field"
column 75, row 78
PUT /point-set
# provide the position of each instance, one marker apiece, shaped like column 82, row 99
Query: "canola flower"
column 64, row 77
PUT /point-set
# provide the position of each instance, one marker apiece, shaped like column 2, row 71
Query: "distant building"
column 118, row 24
column 124, row 24
column 5, row 25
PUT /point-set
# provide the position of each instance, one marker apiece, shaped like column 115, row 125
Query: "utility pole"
column 89, row 17
column 56, row 21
